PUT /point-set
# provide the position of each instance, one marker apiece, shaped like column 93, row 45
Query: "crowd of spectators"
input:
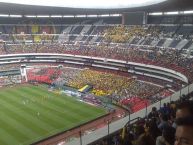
column 43, row 75
column 122, row 34
column 9, row 67
column 10, row 74
column 10, row 80
column 109, row 33
column 164, row 57
column 137, row 35
column 127, row 91
column 159, row 127
column 108, row 83
column 172, row 124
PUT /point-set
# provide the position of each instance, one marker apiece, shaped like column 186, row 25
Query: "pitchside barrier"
column 54, row 139
column 115, row 126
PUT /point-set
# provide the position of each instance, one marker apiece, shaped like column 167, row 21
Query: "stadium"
column 94, row 73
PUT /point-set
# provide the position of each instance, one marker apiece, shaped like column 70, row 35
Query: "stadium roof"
column 169, row 5
column 96, row 4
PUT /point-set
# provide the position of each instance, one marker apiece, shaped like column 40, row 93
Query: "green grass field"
column 31, row 113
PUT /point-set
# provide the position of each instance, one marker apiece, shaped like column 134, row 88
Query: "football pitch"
column 31, row 113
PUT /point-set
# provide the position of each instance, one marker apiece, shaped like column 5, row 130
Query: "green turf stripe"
column 49, row 115
column 25, row 116
column 6, row 138
column 30, row 125
column 67, row 124
column 19, row 131
column 19, row 114
column 57, row 113
column 70, row 102
column 81, row 108
column 76, row 110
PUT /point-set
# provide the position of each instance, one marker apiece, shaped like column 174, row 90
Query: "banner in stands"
column 85, row 89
